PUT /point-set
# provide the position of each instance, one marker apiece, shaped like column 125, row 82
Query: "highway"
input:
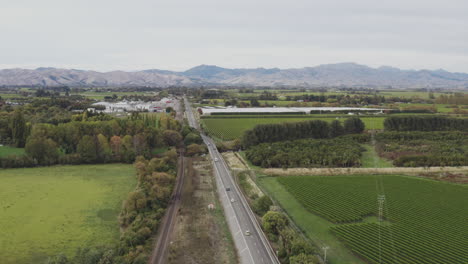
column 252, row 248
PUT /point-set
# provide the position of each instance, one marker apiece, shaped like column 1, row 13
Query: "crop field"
column 51, row 210
column 6, row 151
column 231, row 128
column 389, row 93
column 424, row 221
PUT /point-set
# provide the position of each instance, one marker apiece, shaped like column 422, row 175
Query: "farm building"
column 130, row 106
column 283, row 110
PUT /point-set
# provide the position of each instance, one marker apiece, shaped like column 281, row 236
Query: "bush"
column 262, row 205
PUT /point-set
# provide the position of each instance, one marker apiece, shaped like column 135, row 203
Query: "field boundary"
column 346, row 171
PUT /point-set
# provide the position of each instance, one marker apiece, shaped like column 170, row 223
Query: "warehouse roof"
column 211, row 110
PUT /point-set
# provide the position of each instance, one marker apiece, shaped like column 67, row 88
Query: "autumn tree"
column 115, row 145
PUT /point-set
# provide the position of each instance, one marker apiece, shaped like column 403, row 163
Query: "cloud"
column 177, row 34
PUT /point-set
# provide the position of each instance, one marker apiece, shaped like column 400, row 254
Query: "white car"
column 247, row 232
column 216, row 159
column 232, row 200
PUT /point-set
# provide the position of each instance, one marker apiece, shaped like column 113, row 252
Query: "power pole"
column 325, row 248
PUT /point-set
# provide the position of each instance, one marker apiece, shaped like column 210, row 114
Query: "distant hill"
column 341, row 74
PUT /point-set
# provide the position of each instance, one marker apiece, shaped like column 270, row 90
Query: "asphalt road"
column 250, row 241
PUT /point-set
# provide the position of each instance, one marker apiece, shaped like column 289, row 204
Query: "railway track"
column 159, row 254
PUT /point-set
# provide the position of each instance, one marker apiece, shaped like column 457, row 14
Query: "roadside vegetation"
column 201, row 235
column 291, row 246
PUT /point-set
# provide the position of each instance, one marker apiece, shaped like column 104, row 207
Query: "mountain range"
column 340, row 74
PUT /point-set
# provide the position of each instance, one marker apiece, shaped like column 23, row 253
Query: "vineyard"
column 423, row 221
column 231, row 128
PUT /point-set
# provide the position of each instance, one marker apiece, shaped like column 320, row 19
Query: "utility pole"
column 325, row 248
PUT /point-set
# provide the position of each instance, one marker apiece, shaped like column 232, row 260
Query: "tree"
column 140, row 144
column 195, row 149
column 192, row 138
column 128, row 153
column 18, row 128
column 87, row 149
column 273, row 222
column 104, row 151
column 262, row 205
column 353, row 125
column 336, row 129
column 172, row 137
column 304, row 259
column 115, row 145
column 44, row 150
column 254, row 103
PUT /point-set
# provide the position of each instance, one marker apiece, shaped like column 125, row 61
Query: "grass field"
column 231, row 128
column 6, row 151
column 51, row 210
column 370, row 159
column 389, row 93
column 424, row 220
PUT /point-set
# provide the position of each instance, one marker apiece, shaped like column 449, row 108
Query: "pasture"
column 50, row 210
column 423, row 220
column 231, row 128
column 6, row 151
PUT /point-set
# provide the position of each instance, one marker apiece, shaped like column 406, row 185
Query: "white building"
column 281, row 110
column 137, row 106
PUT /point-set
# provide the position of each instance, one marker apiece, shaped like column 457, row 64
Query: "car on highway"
column 228, row 188
column 232, row 200
column 247, row 232
column 216, row 159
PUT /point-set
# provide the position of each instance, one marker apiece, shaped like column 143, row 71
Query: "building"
column 285, row 110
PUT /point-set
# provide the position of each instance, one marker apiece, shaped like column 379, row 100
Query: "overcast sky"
column 132, row 35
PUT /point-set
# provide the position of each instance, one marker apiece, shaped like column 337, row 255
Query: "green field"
column 424, row 220
column 389, row 93
column 231, row 128
column 51, row 210
column 370, row 159
column 6, row 151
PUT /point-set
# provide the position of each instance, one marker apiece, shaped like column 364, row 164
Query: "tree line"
column 342, row 151
column 317, row 129
column 77, row 142
column 425, row 123
column 424, row 149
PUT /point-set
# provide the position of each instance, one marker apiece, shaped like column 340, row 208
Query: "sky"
column 107, row 35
